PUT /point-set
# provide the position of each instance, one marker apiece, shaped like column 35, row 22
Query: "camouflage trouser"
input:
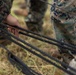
column 65, row 33
column 37, row 11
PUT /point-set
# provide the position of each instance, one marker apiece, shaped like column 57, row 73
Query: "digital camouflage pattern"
column 37, row 11
column 64, row 22
column 64, row 19
column 5, row 6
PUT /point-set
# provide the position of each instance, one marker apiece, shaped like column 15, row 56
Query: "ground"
column 32, row 61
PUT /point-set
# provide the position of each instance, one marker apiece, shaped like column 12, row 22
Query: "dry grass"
column 32, row 61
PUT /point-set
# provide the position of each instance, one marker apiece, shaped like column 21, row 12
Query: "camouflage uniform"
column 64, row 17
column 5, row 6
column 64, row 21
column 36, row 14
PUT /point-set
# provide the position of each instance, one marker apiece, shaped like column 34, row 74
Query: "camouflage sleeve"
column 9, row 3
column 66, row 6
column 4, row 10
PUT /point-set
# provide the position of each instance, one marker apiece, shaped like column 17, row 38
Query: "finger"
column 9, row 29
column 16, row 32
column 13, row 30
